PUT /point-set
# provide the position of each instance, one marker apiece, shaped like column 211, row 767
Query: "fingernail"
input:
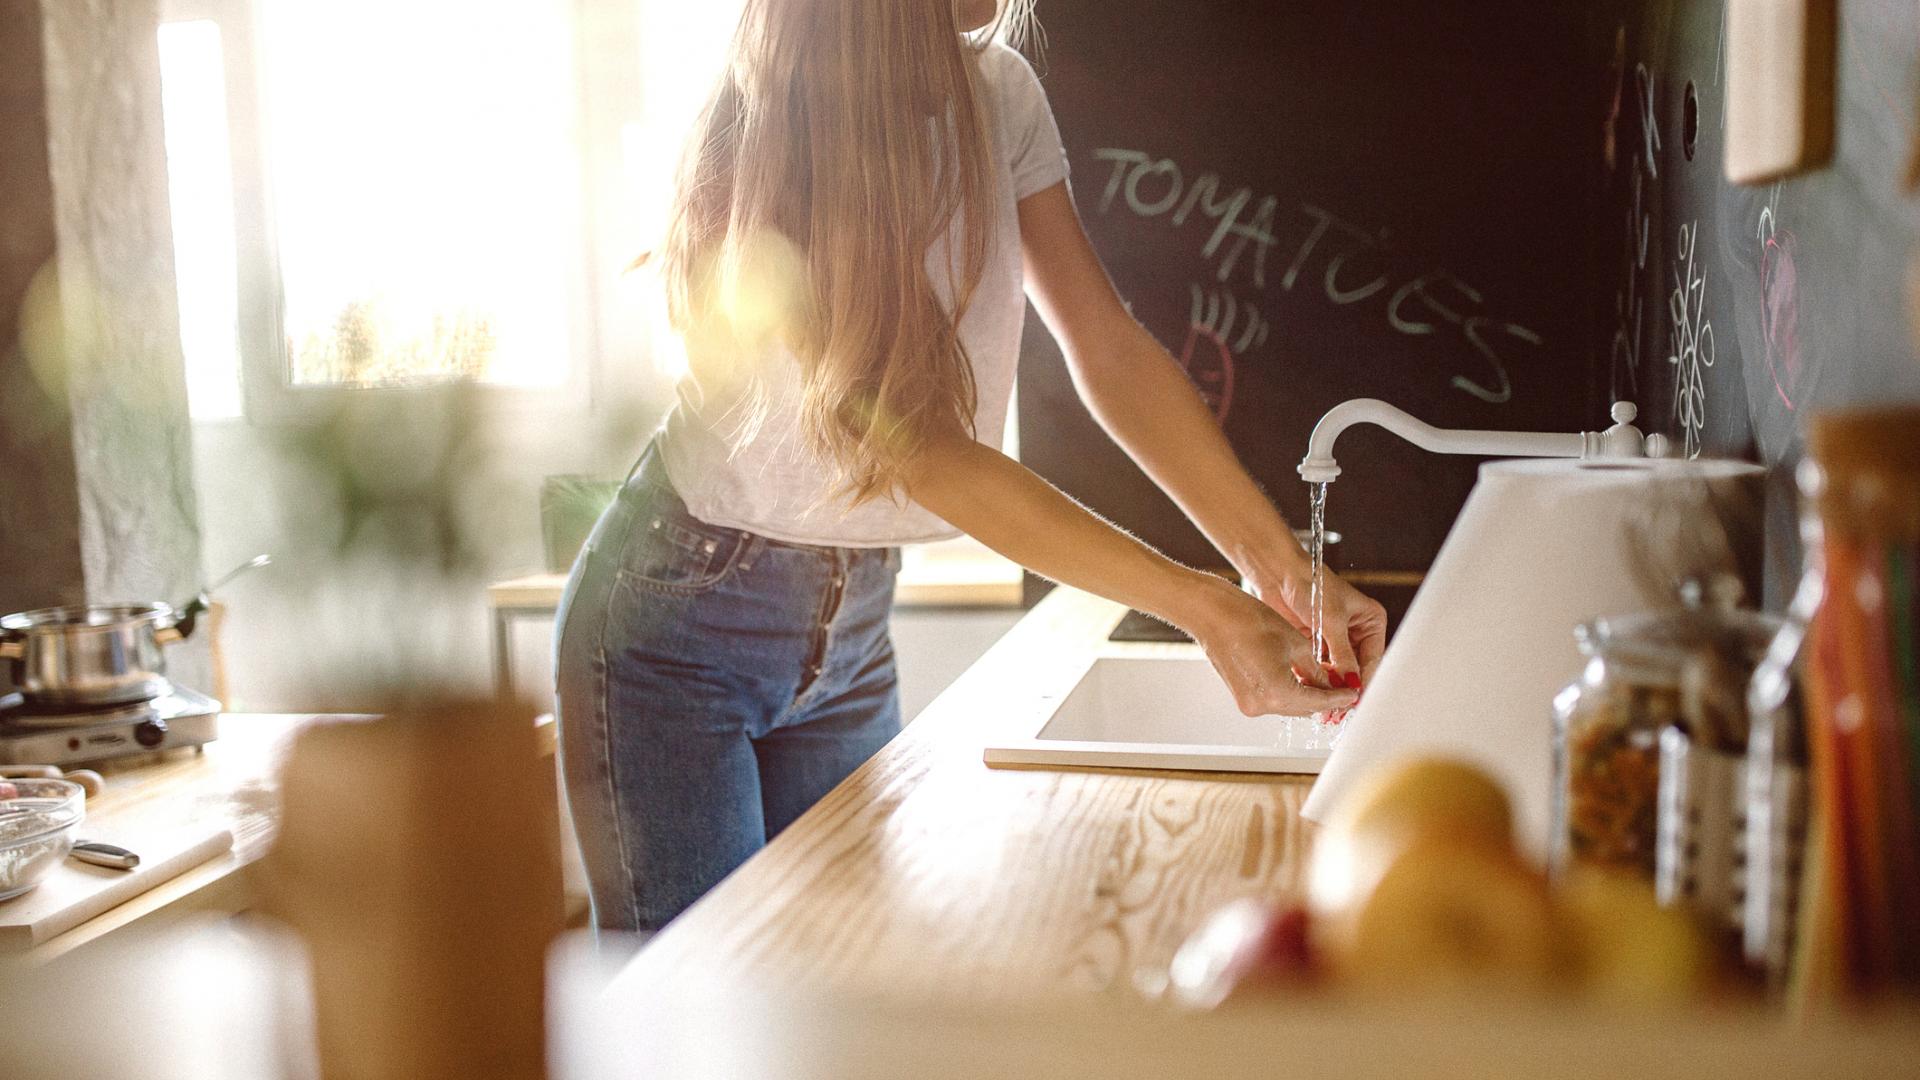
column 1352, row 679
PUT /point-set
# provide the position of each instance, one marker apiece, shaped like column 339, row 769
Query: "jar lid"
column 1659, row 645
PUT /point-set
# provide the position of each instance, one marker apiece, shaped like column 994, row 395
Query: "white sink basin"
column 1162, row 713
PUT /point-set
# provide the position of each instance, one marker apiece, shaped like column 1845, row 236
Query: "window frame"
column 268, row 394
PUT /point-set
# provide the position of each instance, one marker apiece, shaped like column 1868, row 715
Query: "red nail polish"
column 1353, row 680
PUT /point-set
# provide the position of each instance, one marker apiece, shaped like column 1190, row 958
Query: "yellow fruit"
column 1449, row 913
column 1628, row 949
column 1392, row 808
column 1431, row 793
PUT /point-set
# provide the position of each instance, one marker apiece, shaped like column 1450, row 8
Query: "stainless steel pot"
column 101, row 654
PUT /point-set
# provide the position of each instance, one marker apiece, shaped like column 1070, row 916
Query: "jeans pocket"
column 677, row 553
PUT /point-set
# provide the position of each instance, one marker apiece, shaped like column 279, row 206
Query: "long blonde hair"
column 844, row 141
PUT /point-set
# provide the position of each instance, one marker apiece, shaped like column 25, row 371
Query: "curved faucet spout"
column 1319, row 465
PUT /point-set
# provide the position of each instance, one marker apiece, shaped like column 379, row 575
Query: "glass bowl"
column 37, row 822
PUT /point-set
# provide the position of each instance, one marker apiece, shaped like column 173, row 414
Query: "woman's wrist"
column 1201, row 602
column 1272, row 557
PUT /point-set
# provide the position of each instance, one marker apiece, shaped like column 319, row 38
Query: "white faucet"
column 1622, row 440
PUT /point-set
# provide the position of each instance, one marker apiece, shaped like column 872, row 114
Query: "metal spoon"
column 108, row 855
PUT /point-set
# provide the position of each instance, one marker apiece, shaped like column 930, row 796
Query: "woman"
column 871, row 187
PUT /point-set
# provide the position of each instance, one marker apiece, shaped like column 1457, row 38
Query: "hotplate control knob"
column 150, row 733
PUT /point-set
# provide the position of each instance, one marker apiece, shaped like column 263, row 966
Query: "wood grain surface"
column 230, row 779
column 929, row 872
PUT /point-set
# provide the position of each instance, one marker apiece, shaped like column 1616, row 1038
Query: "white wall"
column 384, row 537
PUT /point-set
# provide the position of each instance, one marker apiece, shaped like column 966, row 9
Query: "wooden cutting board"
column 77, row 891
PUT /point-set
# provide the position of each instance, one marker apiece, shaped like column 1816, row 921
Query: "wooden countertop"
column 231, row 778
column 927, row 870
column 934, row 917
column 234, row 779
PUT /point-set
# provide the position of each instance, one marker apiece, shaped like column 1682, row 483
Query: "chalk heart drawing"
column 1210, row 365
column 1692, row 351
column 1213, row 317
column 1779, row 304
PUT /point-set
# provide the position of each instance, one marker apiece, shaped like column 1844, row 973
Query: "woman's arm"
column 1145, row 402
column 1002, row 504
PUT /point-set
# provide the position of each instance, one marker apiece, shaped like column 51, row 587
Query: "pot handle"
column 183, row 623
column 190, row 612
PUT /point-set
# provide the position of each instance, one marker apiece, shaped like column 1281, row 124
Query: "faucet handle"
column 1623, row 440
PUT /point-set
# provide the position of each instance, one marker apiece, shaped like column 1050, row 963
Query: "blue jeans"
column 713, row 684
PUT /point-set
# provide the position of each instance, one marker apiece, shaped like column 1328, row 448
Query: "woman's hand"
column 1009, row 509
column 1355, row 624
column 1264, row 660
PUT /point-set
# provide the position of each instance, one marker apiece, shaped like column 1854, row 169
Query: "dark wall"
column 1750, row 308
column 39, row 506
column 1321, row 200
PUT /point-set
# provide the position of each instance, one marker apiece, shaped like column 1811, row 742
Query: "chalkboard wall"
column 1318, row 200
column 1734, row 312
column 1502, row 214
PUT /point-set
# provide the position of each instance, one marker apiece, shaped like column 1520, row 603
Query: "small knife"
column 108, row 855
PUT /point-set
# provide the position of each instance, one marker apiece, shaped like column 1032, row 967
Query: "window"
column 373, row 194
column 200, row 189
column 682, row 50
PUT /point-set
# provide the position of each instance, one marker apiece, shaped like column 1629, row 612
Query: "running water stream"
column 1323, row 728
column 1317, row 550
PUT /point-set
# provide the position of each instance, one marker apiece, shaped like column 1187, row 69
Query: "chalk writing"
column 1649, row 126
column 1369, row 245
column 1356, row 267
column 1477, row 328
column 1629, row 301
column 1133, row 170
column 1692, row 350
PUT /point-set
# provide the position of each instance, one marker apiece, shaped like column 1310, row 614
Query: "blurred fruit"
column 1288, row 944
column 1243, row 949
column 1628, row 949
column 1391, row 808
column 1431, row 793
column 1449, row 912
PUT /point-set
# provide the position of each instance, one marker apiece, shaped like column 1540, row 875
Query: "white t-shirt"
column 774, row 484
